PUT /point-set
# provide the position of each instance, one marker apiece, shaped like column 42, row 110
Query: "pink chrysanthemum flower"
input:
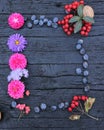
column 16, row 89
column 16, row 20
column 17, row 61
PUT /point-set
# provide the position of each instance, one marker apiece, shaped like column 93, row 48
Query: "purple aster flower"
column 16, row 42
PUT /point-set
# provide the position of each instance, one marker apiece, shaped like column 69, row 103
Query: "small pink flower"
column 27, row 93
column 17, row 61
column 27, row 109
column 16, row 89
column 21, row 107
column 16, row 20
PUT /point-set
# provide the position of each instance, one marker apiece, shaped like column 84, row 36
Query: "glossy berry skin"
column 73, row 105
column 75, row 98
column 76, row 103
column 70, row 109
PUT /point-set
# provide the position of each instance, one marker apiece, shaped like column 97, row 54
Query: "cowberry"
column 68, row 33
column 75, row 98
column 73, row 105
column 76, row 103
column 70, row 109
column 83, row 98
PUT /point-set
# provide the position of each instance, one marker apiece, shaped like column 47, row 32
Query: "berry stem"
column 21, row 114
column 85, row 113
column 95, row 118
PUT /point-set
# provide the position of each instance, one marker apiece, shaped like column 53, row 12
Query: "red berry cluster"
column 68, row 28
column 86, row 28
column 75, row 102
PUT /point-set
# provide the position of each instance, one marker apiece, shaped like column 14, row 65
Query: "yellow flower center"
column 17, row 42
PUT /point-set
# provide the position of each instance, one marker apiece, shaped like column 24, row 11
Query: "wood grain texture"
column 52, row 59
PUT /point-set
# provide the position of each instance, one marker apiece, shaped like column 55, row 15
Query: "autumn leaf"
column 89, row 103
column 74, row 117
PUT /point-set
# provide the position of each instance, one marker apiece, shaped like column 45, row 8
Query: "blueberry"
column 33, row 17
column 54, row 25
column 87, row 88
column 78, row 46
column 41, row 23
column 86, row 73
column 55, row 19
column 53, row 108
column 42, row 17
column 61, row 105
column 85, row 64
column 29, row 25
column 82, row 51
column 80, row 41
column 78, row 71
column 43, row 106
column 49, row 23
column 36, row 22
column 85, row 80
column 66, row 104
column 13, row 104
column 45, row 20
column 37, row 109
column 86, row 57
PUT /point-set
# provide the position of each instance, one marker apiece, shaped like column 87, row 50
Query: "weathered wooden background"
column 52, row 59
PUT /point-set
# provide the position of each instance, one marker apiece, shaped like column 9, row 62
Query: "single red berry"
column 81, row 2
column 68, row 9
column 70, row 29
column 76, row 3
column 68, row 33
column 65, row 30
column 66, row 6
column 63, row 22
column 76, row 103
column 59, row 22
column 74, row 6
column 71, row 15
column 83, row 98
column 73, row 105
column 63, row 26
column 89, row 27
column 70, row 6
column 66, row 20
column 68, row 16
column 66, row 25
column 70, row 109
column 86, row 33
column 73, row 101
column 84, row 28
column 75, row 98
column 82, row 33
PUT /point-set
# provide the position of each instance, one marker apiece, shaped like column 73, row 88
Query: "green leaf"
column 74, row 117
column 80, row 10
column 74, row 19
column 88, row 19
column 89, row 103
column 78, row 26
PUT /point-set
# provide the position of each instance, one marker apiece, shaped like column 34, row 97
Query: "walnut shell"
column 88, row 11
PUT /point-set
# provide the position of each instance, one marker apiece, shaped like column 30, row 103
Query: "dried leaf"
column 88, row 19
column 74, row 19
column 80, row 10
column 78, row 26
column 89, row 103
column 74, row 117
